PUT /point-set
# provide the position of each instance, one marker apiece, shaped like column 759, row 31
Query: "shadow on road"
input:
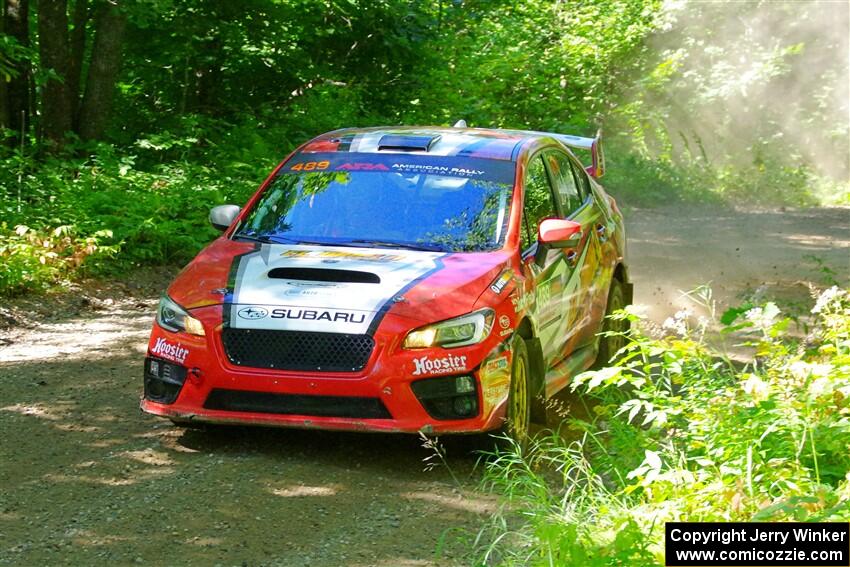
column 86, row 478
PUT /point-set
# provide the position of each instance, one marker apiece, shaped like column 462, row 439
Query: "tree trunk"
column 103, row 71
column 54, row 54
column 208, row 75
column 17, row 90
column 79, row 20
column 4, row 102
column 4, row 94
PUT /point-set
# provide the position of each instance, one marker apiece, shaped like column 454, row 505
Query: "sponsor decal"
column 306, row 292
column 324, row 255
column 253, row 312
column 495, row 394
column 296, row 283
column 500, row 282
column 504, row 321
column 436, row 169
column 171, row 351
column 544, row 292
column 327, row 157
column 506, row 332
column 318, row 315
column 522, row 301
column 444, row 365
column 362, row 166
column 497, row 364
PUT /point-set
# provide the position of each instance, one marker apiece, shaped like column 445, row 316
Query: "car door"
column 548, row 271
column 581, row 279
column 602, row 260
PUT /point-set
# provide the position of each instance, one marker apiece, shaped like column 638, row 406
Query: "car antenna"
column 460, row 124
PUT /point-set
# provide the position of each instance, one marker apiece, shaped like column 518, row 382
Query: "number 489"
column 310, row 166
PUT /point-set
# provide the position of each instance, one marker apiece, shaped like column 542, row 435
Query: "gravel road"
column 86, row 479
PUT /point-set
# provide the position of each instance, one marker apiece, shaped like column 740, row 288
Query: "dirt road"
column 86, row 479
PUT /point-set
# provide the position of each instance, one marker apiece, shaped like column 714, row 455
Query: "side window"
column 569, row 195
column 538, row 203
column 581, row 177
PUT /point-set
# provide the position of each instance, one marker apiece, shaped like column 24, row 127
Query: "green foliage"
column 744, row 101
column 11, row 53
column 135, row 208
column 32, row 259
column 530, row 65
column 680, row 432
column 212, row 93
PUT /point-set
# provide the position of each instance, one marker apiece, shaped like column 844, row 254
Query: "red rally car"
column 443, row 280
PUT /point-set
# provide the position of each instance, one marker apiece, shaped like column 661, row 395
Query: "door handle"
column 602, row 232
column 571, row 257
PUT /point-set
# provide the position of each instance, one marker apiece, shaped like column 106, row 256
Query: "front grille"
column 295, row 404
column 297, row 350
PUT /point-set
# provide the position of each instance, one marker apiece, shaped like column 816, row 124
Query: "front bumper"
column 386, row 396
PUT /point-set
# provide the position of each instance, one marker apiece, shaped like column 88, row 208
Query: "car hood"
column 332, row 289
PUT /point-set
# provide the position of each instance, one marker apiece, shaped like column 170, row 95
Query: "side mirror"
column 222, row 216
column 559, row 233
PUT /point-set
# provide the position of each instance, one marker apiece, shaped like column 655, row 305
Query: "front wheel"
column 518, row 416
column 614, row 330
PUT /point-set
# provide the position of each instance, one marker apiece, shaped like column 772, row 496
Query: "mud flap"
column 628, row 293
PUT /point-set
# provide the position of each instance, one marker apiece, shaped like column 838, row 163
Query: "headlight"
column 460, row 331
column 174, row 318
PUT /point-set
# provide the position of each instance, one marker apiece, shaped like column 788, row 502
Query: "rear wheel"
column 609, row 344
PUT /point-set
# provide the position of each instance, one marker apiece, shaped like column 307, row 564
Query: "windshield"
column 387, row 200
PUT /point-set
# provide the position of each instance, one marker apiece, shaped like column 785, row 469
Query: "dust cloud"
column 756, row 84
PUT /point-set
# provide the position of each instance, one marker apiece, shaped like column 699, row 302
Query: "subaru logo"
column 253, row 312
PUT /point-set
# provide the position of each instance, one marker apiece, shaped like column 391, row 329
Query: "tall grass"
column 680, row 432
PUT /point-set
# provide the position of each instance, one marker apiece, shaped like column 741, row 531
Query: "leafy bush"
column 146, row 207
column 33, row 259
column 681, row 433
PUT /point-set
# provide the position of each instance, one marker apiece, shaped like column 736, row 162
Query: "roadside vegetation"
column 677, row 430
column 123, row 122
column 110, row 163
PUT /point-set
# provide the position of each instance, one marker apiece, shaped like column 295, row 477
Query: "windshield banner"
column 498, row 171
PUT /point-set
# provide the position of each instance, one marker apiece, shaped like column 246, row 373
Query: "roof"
column 462, row 142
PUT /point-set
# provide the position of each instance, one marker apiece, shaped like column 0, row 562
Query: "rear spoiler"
column 594, row 145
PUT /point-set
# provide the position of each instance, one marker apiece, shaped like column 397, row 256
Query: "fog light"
column 163, row 380
column 464, row 385
column 448, row 397
column 464, row 405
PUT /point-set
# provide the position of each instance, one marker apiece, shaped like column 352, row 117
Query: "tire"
column 518, row 414
column 609, row 345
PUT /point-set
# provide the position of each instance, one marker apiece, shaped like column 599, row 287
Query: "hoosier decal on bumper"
column 427, row 366
column 170, row 351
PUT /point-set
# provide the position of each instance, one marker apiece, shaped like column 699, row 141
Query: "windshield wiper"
column 259, row 238
column 356, row 243
column 276, row 239
column 396, row 244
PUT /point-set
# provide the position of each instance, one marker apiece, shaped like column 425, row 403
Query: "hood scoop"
column 324, row 275
column 403, row 143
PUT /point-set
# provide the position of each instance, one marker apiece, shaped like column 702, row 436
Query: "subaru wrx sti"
column 442, row 280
